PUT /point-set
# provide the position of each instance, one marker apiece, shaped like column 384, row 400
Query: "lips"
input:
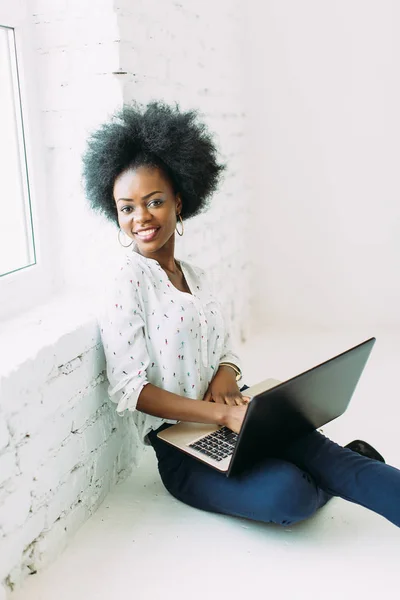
column 147, row 234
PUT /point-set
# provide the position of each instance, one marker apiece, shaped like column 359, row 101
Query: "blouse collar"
column 197, row 291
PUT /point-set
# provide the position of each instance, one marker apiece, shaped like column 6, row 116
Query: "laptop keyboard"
column 217, row 445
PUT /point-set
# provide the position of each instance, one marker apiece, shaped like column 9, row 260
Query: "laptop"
column 277, row 414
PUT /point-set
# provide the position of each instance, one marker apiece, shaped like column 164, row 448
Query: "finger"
column 236, row 399
column 239, row 400
column 229, row 400
column 219, row 399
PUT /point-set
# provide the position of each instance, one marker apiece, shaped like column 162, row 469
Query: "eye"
column 126, row 209
column 156, row 202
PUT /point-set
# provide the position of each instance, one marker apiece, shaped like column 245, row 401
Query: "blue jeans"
column 285, row 490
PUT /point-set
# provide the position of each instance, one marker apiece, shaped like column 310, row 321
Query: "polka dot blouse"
column 154, row 333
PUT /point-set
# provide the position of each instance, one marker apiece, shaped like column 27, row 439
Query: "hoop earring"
column 183, row 229
column 119, row 239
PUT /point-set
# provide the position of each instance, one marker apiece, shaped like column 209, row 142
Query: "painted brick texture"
column 62, row 446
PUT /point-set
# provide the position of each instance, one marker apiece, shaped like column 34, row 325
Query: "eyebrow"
column 143, row 198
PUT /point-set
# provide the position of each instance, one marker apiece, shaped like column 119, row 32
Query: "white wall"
column 192, row 53
column 187, row 53
column 308, row 209
column 76, row 51
column 61, row 443
column 325, row 94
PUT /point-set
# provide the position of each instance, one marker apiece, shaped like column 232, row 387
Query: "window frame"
column 27, row 287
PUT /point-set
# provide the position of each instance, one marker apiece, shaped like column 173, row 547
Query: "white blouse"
column 154, row 333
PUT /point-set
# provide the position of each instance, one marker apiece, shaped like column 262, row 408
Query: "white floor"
column 142, row 543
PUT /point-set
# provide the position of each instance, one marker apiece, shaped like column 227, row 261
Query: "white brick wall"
column 192, row 52
column 61, row 443
column 62, row 447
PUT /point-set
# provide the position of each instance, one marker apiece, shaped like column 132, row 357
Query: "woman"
column 167, row 346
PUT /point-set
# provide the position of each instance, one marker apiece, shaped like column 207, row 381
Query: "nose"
column 141, row 215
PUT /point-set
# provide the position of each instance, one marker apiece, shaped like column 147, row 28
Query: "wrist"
column 222, row 414
column 228, row 369
column 232, row 368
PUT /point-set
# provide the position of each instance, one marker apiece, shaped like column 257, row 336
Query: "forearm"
column 160, row 403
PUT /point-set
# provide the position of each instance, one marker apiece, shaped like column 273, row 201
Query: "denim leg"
column 344, row 473
column 274, row 491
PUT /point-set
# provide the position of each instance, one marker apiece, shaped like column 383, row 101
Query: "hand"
column 223, row 389
column 234, row 417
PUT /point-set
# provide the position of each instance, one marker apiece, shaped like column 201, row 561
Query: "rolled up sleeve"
column 122, row 328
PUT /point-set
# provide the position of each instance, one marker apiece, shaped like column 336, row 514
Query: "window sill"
column 71, row 317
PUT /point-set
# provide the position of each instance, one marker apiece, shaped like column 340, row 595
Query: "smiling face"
column 147, row 209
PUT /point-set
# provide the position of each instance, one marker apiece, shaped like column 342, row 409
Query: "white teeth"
column 146, row 233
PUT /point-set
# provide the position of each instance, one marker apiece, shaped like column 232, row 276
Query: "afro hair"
column 157, row 135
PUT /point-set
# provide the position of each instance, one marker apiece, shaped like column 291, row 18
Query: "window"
column 17, row 249
column 27, row 262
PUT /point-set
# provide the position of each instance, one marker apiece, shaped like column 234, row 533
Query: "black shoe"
column 365, row 449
